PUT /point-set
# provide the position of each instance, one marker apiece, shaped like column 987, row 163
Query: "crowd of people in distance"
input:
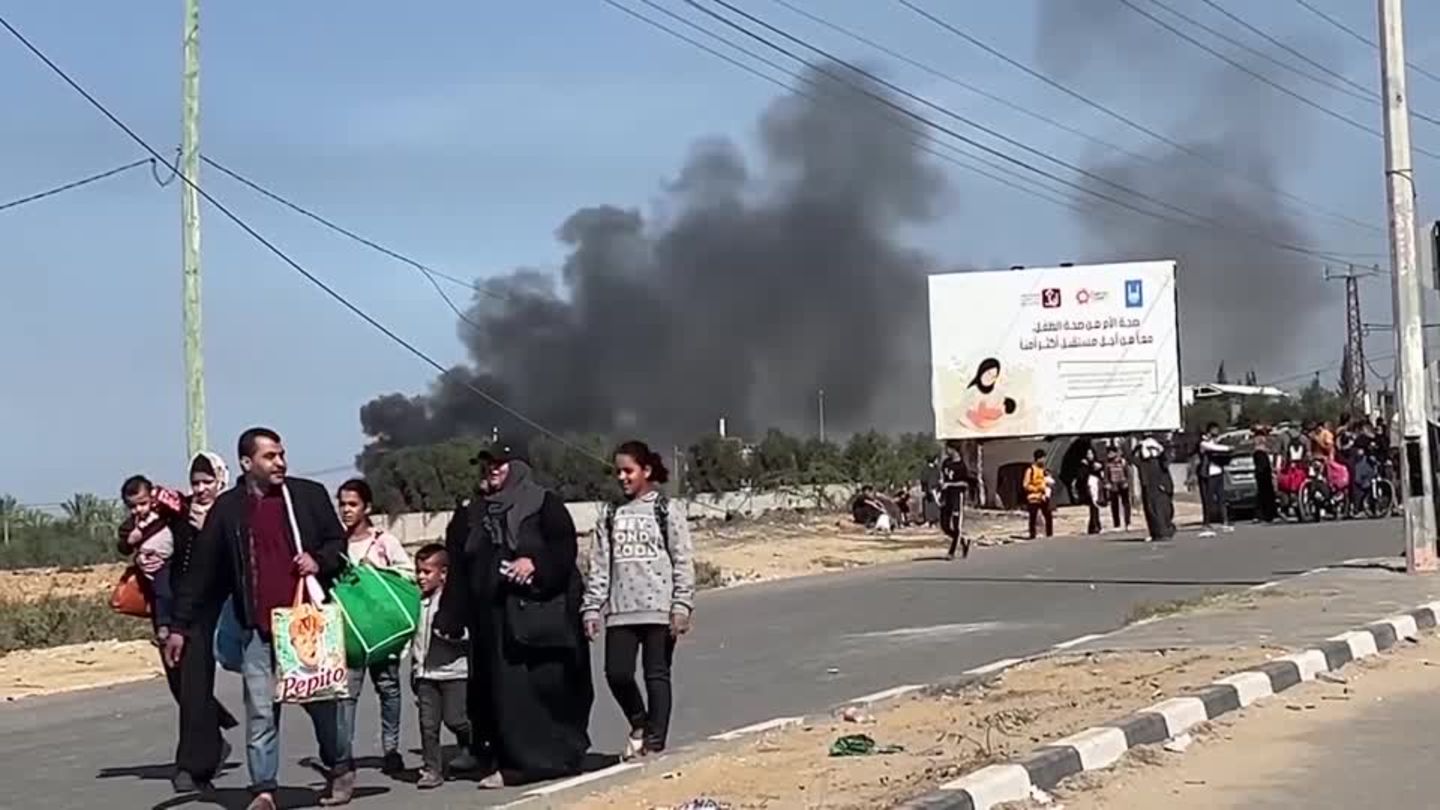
column 501, row 653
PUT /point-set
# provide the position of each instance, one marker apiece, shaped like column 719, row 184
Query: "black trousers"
column 656, row 647
column 952, row 512
column 1212, row 498
column 1120, row 506
column 192, row 684
column 441, row 703
column 1038, row 509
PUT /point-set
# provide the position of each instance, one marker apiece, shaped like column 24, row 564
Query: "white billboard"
column 1055, row 351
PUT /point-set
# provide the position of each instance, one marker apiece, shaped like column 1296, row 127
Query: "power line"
column 1111, row 112
column 905, row 111
column 955, row 80
column 1364, row 39
column 84, row 181
column 1363, row 93
column 282, row 255
column 431, row 275
column 1263, row 79
column 927, row 143
column 1296, row 52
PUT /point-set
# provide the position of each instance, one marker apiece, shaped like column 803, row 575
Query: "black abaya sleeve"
column 554, row 549
column 452, row 617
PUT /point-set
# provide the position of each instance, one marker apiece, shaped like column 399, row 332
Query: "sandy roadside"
column 943, row 735
column 771, row 548
column 1239, row 755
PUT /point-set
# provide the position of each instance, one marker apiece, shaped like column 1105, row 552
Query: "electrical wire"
column 281, row 254
column 431, row 275
column 1363, row 94
column 1364, row 39
column 905, row 111
column 952, row 79
column 1266, row 80
column 1111, row 112
column 1295, row 52
column 926, row 143
column 74, row 184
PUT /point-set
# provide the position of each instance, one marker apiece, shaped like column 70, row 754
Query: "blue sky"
column 462, row 133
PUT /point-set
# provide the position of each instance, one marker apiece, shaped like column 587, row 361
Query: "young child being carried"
column 438, row 671
column 145, row 537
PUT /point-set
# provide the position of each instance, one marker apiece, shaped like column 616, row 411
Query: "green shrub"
column 55, row 620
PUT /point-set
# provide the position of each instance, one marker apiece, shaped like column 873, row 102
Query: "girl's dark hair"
column 360, row 488
column 645, row 457
column 134, row 485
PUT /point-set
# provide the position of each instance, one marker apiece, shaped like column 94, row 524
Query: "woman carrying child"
column 642, row 579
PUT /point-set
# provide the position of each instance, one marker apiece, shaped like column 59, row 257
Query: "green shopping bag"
column 381, row 610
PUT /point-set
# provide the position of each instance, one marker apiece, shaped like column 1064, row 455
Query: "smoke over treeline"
column 752, row 287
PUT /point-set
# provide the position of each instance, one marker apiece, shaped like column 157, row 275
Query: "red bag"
column 127, row 597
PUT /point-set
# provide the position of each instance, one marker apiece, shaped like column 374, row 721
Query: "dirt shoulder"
column 29, row 673
column 1243, row 759
column 944, row 733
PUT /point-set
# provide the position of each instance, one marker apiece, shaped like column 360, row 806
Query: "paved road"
column 758, row 652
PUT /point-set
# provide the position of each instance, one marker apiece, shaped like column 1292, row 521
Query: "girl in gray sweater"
column 642, row 579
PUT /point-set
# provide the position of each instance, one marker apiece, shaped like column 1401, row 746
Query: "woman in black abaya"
column 1157, row 488
column 515, row 587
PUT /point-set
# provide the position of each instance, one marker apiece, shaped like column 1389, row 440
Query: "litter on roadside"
column 861, row 745
column 703, row 803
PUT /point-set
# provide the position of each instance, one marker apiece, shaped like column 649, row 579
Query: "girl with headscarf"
column 201, row 749
column 515, row 586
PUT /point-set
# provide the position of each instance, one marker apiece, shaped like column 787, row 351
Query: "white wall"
column 423, row 527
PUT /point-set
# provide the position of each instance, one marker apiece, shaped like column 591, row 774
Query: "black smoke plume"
column 1241, row 298
column 750, row 288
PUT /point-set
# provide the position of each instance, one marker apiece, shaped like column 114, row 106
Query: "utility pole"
column 190, row 232
column 821, row 400
column 1415, row 469
column 1354, row 375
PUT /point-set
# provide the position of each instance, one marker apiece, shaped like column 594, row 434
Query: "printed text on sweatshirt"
column 638, row 573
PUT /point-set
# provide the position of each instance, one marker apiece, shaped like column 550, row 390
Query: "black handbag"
column 546, row 624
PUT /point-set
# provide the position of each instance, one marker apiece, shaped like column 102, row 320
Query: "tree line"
column 82, row 534
column 436, row 477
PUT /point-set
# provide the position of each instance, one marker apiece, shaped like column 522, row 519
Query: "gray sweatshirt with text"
column 639, row 574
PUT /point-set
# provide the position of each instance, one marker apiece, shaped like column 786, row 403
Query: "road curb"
column 1101, row 746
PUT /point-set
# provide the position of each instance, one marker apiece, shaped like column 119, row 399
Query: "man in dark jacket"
column 247, row 550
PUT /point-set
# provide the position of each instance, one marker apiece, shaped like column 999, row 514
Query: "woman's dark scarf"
column 518, row 499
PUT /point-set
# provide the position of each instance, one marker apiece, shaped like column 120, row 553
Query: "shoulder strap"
column 662, row 516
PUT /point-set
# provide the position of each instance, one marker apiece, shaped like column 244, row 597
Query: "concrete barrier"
column 416, row 528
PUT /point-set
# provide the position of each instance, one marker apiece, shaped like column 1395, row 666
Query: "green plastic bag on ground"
column 381, row 610
column 861, row 745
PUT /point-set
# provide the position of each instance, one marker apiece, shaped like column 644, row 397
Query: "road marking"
column 1078, row 640
column 1313, row 571
column 1249, row 686
column 887, row 694
column 1308, row 663
column 993, row 666
column 593, row 776
column 1098, row 747
column 1181, row 713
column 930, row 630
column 779, row 722
column 1361, row 643
column 1265, row 586
column 1404, row 626
column 994, row 784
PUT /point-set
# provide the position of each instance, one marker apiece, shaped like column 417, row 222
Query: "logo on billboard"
column 1134, row 293
column 1084, row 296
column 1050, row 298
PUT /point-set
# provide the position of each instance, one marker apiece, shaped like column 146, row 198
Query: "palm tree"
column 90, row 514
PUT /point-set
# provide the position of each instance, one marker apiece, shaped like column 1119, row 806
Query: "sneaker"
column 392, row 763
column 464, row 762
column 1206, row 533
column 262, row 802
column 495, row 781
column 634, row 745
column 429, row 780
column 1227, row 529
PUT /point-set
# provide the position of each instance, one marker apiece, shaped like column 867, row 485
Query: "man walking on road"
column 248, row 549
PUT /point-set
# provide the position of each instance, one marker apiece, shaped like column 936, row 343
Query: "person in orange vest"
column 1039, row 487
